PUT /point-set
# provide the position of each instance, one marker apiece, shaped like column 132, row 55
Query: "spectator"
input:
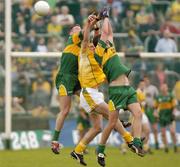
column 17, row 108
column 22, row 9
column 65, row 19
column 142, row 17
column 174, row 12
column 21, row 89
column 151, row 34
column 54, row 44
column 134, row 44
column 80, row 19
column 40, row 100
column 20, row 26
column 39, row 25
column 168, row 25
column 159, row 77
column 129, row 22
column 30, row 41
column 53, row 27
column 41, row 84
column 166, row 44
column 116, row 20
column 41, row 47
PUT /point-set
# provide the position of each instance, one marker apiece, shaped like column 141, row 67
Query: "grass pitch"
column 45, row 158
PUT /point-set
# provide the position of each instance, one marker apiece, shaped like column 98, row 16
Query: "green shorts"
column 121, row 96
column 67, row 84
column 150, row 114
column 165, row 118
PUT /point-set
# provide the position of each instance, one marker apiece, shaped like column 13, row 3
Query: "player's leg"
column 155, row 133
column 154, row 125
column 172, row 129
column 64, row 105
column 146, row 132
column 113, row 123
column 96, row 121
column 164, row 139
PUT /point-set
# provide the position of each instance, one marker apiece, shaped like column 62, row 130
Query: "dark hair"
column 96, row 40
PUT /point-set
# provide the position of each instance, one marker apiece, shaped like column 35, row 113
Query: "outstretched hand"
column 92, row 19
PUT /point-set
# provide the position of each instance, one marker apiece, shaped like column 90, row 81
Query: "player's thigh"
column 90, row 99
column 135, row 109
column 103, row 109
column 65, row 103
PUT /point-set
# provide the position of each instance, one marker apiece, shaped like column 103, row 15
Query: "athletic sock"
column 127, row 137
column 100, row 149
column 80, row 148
column 56, row 135
column 146, row 147
column 137, row 142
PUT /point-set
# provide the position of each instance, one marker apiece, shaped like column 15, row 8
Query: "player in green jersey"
column 165, row 104
column 121, row 94
column 67, row 81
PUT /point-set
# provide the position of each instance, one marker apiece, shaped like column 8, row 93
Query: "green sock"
column 100, row 149
column 137, row 142
column 56, row 135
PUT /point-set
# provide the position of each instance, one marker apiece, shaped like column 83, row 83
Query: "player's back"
column 69, row 59
column 110, row 61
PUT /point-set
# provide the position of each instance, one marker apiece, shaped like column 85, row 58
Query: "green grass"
column 44, row 158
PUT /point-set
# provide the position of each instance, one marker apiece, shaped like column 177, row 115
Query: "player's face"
column 164, row 88
column 75, row 29
column 142, row 85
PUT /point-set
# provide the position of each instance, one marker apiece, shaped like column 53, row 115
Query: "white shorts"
column 90, row 98
column 145, row 119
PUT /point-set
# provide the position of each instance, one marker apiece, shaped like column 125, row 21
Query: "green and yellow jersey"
column 165, row 102
column 69, row 59
column 165, row 106
column 110, row 61
column 90, row 73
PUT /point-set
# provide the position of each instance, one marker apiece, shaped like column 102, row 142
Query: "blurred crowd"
column 138, row 25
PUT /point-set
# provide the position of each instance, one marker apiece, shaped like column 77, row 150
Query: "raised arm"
column 86, row 34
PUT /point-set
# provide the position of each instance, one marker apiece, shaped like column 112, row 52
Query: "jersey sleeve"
column 77, row 37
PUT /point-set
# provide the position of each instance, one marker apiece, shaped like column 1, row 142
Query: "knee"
column 172, row 132
column 138, row 114
column 112, row 124
column 163, row 134
column 65, row 111
column 97, row 129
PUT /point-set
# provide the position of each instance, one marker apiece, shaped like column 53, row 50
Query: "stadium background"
column 138, row 26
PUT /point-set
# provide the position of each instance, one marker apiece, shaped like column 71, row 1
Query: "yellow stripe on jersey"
column 89, row 99
column 90, row 73
column 110, row 53
column 72, row 48
column 99, row 50
column 62, row 90
column 165, row 105
column 111, row 106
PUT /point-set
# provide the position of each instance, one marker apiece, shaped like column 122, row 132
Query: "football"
column 42, row 8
